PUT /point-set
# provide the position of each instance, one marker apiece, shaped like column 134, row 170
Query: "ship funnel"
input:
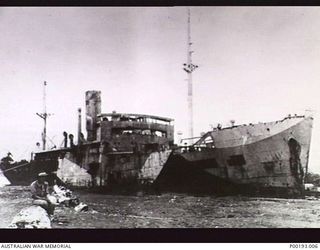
column 93, row 109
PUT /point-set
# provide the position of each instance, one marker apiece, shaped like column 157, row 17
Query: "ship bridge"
column 124, row 129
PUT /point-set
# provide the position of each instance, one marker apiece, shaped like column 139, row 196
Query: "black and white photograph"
column 159, row 117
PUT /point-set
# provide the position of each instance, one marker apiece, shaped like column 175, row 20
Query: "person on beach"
column 40, row 193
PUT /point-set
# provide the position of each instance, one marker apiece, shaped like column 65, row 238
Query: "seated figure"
column 40, row 193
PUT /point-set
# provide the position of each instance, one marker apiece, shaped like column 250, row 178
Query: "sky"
column 256, row 64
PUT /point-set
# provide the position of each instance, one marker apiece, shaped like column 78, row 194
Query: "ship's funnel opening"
column 93, row 109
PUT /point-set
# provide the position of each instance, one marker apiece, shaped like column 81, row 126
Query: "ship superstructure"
column 121, row 150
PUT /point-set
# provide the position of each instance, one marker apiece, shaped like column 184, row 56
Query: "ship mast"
column 44, row 116
column 189, row 68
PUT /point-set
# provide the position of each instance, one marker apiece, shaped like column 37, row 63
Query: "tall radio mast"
column 44, row 116
column 189, row 68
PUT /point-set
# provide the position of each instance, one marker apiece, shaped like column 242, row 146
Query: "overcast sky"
column 255, row 64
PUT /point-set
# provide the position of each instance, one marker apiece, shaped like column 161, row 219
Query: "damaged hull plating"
column 23, row 173
column 257, row 158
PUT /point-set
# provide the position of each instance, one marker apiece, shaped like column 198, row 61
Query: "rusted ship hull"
column 261, row 158
column 115, row 172
column 80, row 167
column 18, row 176
column 24, row 173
